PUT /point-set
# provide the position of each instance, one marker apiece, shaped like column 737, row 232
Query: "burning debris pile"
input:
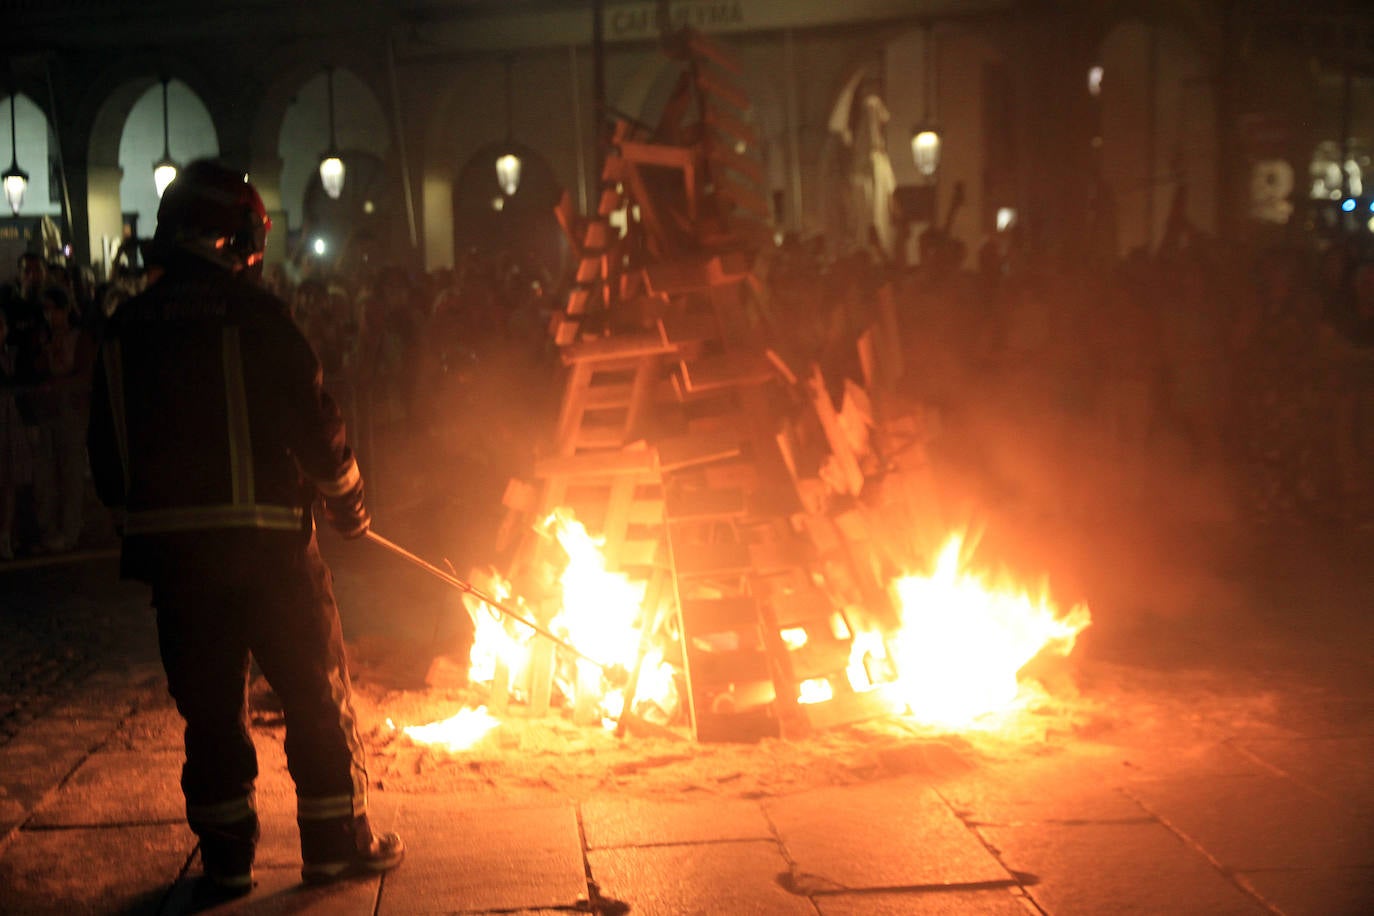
column 736, row 586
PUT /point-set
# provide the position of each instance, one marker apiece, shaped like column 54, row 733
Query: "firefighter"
column 211, row 437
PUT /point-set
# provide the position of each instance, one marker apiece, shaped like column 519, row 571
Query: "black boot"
column 226, row 855
column 345, row 848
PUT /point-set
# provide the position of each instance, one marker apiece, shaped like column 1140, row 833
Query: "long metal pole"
column 61, row 163
column 480, row 595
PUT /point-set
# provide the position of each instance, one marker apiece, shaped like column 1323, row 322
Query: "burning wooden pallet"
column 672, row 435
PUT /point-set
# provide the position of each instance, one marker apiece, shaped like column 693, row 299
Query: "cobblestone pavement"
column 48, row 647
column 1265, row 808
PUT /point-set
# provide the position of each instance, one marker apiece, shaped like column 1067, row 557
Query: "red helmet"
column 216, row 212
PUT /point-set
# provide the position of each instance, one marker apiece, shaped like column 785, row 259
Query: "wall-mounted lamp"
column 165, row 169
column 331, row 164
column 16, row 179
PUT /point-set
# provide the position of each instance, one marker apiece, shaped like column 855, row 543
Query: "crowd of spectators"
column 1259, row 360
column 49, row 325
column 1252, row 361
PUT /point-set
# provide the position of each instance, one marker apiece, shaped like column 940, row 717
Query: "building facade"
column 1088, row 123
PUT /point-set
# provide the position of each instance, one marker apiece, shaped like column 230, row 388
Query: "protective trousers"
column 277, row 607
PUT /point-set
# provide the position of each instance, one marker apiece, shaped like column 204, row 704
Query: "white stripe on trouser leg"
column 225, row 812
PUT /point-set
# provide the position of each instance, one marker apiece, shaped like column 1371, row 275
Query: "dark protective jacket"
column 208, row 416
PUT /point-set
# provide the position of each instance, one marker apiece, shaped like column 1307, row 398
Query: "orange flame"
column 601, row 608
column 962, row 641
column 458, row 732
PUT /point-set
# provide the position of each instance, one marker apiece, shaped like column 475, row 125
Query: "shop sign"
column 647, row 20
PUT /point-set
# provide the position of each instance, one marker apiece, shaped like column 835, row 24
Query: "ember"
column 962, row 642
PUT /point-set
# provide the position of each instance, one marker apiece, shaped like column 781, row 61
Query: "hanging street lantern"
column 332, row 174
column 508, row 173
column 16, row 179
column 331, row 164
column 925, row 149
column 508, row 163
column 925, row 137
column 165, row 169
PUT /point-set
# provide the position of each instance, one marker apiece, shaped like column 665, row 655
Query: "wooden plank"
column 730, row 127
column 659, row 154
column 636, row 552
column 596, row 234
column 681, row 452
column 599, row 437
column 723, row 154
column 592, row 267
column 844, row 456
column 626, row 347
column 696, row 505
column 697, row 561
column 578, row 298
column 563, row 329
column 571, row 408
column 639, row 463
column 609, row 202
column 705, row 48
column 776, row 557
column 742, row 195
column 678, row 276
column 718, row 87
column 682, row 329
column 729, row 370
column 806, row 607
column 566, row 212
column 717, row 615
column 613, row 169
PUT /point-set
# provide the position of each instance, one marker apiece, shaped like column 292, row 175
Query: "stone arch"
column 361, row 125
column 465, row 110
column 125, row 83
column 191, row 135
column 522, row 224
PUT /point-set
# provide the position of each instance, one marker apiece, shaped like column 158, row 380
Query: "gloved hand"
column 347, row 514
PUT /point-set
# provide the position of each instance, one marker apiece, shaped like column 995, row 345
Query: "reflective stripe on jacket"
column 208, row 411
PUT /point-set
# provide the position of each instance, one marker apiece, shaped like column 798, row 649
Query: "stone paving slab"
column 118, row 787
column 1315, row 891
column 1039, row 791
column 1338, row 767
column 705, row 879
column 1237, row 820
column 70, row 871
column 996, row 902
column 1117, row 868
column 610, row 822
column 158, row 728
column 278, row 891
column 908, row 835
column 38, row 758
column 465, row 859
